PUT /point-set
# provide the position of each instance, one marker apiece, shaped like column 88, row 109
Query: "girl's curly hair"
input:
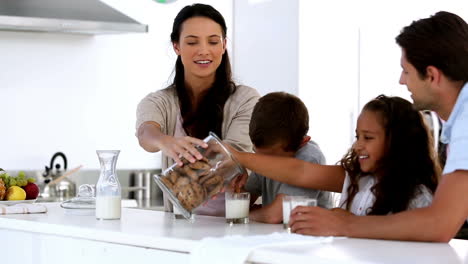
column 409, row 158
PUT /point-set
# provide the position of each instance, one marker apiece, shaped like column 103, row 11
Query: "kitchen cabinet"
column 27, row 247
column 144, row 236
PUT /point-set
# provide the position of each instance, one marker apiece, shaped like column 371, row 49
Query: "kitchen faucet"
column 140, row 186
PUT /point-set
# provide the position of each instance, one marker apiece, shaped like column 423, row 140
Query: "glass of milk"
column 237, row 207
column 290, row 202
column 286, row 211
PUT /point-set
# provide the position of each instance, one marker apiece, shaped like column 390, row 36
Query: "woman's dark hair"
column 408, row 162
column 441, row 41
column 207, row 116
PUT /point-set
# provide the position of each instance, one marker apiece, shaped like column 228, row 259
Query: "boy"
column 279, row 126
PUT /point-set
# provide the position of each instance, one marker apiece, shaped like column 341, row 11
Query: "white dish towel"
column 23, row 208
column 236, row 249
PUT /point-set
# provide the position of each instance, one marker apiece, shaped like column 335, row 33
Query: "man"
column 435, row 70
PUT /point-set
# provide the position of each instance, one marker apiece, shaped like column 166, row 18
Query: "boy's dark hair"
column 440, row 41
column 279, row 117
column 409, row 160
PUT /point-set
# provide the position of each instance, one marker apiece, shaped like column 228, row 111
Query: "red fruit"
column 32, row 191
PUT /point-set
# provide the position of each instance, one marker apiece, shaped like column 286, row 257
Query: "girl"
column 202, row 97
column 390, row 168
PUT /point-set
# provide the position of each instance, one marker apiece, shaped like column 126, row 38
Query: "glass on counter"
column 237, row 207
column 192, row 184
column 290, row 202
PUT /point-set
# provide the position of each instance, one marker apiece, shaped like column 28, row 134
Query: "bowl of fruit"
column 19, row 189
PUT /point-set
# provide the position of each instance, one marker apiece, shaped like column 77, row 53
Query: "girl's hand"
column 237, row 184
column 233, row 150
column 239, row 181
column 182, row 147
column 313, row 220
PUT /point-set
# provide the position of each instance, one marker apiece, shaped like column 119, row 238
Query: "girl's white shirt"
column 364, row 199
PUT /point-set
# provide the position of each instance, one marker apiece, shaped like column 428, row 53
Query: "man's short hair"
column 440, row 41
column 279, row 117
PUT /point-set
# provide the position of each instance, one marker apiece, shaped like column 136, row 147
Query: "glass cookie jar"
column 192, row 184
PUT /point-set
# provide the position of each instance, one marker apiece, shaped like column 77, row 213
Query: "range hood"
column 66, row 16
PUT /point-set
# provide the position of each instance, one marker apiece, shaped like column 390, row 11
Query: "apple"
column 32, row 191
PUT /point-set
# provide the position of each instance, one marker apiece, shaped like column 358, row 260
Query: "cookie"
column 184, row 160
column 173, row 175
column 214, row 189
column 204, row 178
column 199, row 165
column 199, row 193
column 190, row 172
column 212, row 179
column 202, row 173
column 167, row 182
column 191, row 195
column 181, row 182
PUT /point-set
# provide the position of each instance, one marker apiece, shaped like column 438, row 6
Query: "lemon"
column 15, row 193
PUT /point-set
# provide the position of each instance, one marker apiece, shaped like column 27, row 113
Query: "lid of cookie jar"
column 83, row 204
column 192, row 184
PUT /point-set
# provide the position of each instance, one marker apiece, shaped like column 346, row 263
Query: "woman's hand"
column 313, row 220
column 181, row 147
column 152, row 139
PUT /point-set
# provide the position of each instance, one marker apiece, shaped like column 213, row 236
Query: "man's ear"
column 304, row 141
column 434, row 74
column 175, row 46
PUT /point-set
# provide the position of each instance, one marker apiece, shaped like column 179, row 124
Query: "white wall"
column 306, row 48
column 348, row 55
column 380, row 22
column 328, row 73
column 266, row 44
column 76, row 93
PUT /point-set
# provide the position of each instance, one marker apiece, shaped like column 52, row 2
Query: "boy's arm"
column 270, row 214
column 438, row 222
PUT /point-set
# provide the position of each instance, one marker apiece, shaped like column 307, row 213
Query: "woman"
column 202, row 97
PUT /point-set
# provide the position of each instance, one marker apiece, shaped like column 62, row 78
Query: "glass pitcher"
column 108, row 190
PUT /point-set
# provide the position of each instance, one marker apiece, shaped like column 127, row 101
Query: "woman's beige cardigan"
column 162, row 107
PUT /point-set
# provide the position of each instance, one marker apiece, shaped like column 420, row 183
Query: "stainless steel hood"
column 66, row 16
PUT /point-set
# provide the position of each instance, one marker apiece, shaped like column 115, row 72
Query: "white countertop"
column 352, row 250
column 159, row 230
column 143, row 228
